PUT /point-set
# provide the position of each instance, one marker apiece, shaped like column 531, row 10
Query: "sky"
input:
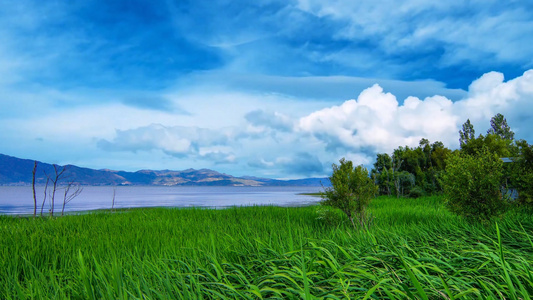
column 278, row 89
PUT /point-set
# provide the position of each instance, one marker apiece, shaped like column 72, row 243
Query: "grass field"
column 414, row 249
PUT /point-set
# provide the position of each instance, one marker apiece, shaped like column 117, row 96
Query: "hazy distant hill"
column 16, row 171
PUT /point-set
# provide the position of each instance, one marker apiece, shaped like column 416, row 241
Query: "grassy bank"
column 414, row 249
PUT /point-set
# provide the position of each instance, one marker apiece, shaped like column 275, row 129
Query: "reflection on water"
column 19, row 200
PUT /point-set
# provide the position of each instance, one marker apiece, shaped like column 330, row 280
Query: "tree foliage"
column 351, row 191
column 520, row 173
column 467, row 133
column 472, row 184
column 474, row 178
column 499, row 127
column 411, row 171
column 493, row 142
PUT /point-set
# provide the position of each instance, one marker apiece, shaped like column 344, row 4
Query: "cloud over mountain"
column 277, row 142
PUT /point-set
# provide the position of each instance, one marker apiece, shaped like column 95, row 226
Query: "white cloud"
column 375, row 120
column 177, row 141
column 273, row 136
column 249, row 133
column 369, row 121
column 274, row 120
column 490, row 95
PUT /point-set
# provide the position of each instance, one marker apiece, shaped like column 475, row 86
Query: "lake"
column 18, row 200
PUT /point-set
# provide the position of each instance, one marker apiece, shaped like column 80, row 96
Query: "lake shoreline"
column 19, row 200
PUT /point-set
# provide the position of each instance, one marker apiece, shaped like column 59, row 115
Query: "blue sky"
column 269, row 88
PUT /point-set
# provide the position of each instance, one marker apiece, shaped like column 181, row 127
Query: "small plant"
column 327, row 215
column 472, row 185
column 351, row 191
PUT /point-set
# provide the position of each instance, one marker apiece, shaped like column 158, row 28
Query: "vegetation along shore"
column 447, row 225
column 414, row 249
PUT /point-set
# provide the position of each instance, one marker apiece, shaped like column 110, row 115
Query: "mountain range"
column 17, row 171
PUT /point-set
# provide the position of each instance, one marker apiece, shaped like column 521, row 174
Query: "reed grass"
column 414, row 249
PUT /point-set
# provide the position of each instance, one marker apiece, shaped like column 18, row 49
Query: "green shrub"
column 524, row 184
column 520, row 173
column 351, row 191
column 472, row 185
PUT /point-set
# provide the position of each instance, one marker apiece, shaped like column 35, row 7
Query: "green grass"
column 319, row 194
column 414, row 249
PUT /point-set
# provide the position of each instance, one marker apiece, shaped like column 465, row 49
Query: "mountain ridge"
column 18, row 171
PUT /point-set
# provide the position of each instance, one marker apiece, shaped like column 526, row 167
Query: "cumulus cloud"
column 490, row 94
column 272, row 142
column 376, row 120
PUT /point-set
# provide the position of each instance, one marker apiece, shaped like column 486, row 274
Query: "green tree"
column 520, row 173
column 467, row 134
column 394, row 174
column 493, row 142
column 472, row 185
column 498, row 126
column 403, row 182
column 351, row 191
column 381, row 174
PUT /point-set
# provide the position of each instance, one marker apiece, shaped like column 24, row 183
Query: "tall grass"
column 414, row 249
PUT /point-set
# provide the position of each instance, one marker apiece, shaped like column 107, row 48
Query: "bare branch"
column 68, row 195
column 45, row 193
column 58, row 175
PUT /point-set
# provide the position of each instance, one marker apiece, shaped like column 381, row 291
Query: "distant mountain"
column 16, row 171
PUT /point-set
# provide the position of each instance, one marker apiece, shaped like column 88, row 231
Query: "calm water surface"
column 19, row 200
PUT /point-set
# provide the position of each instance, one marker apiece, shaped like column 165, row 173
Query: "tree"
column 499, row 126
column 33, row 189
column 54, row 179
column 520, row 173
column 71, row 191
column 472, row 185
column 411, row 171
column 45, row 194
column 351, row 191
column 381, row 173
column 468, row 133
column 403, row 182
column 493, row 142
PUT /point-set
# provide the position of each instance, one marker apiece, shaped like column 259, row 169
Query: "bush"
column 351, row 191
column 520, row 173
column 472, row 185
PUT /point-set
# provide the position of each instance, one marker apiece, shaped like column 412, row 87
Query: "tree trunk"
column 33, row 189
column 113, row 203
column 388, row 184
column 45, row 192
column 53, row 198
column 397, row 186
